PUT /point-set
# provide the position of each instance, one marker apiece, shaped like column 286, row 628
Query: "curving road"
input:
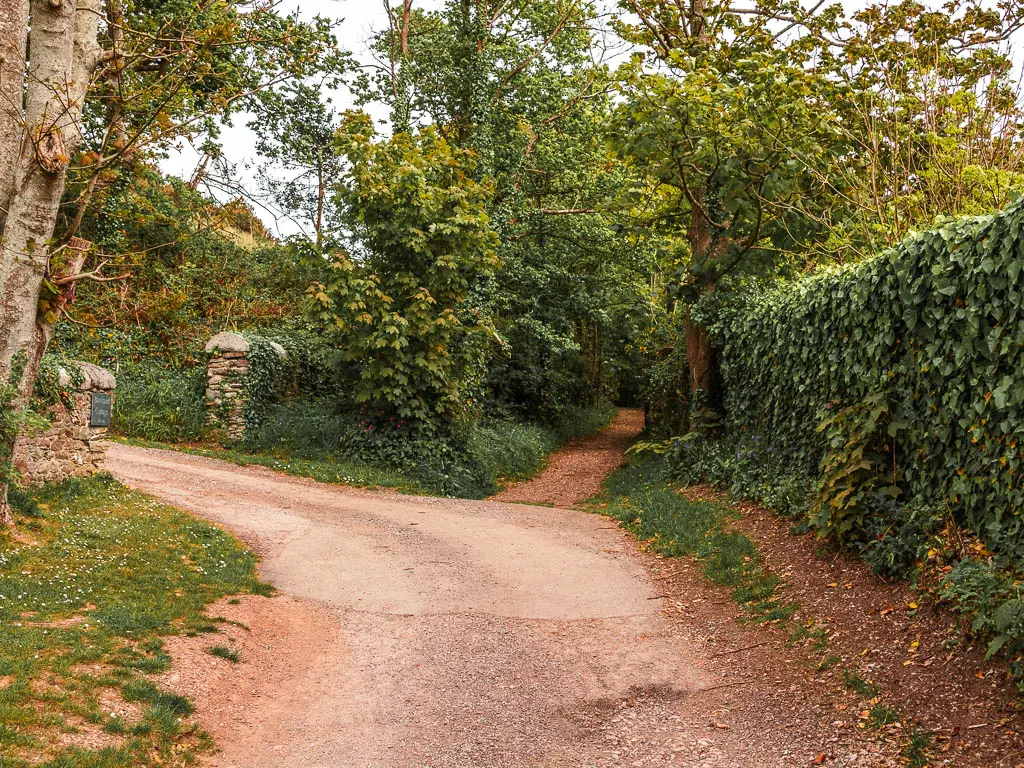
column 462, row 634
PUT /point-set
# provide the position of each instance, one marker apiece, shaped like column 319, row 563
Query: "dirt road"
column 420, row 632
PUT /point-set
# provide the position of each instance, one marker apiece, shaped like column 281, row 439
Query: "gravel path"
column 576, row 472
column 413, row 632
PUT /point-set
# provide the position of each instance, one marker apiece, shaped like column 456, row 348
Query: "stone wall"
column 227, row 374
column 71, row 447
column 225, row 388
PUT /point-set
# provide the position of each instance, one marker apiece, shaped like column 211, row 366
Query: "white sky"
column 359, row 20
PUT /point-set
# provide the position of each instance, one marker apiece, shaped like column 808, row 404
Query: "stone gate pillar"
column 75, row 443
column 226, row 373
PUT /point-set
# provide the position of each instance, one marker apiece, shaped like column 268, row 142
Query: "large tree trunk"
column 700, row 355
column 47, row 132
column 700, row 358
column 13, row 36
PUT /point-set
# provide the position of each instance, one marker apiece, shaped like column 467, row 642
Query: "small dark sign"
column 100, row 416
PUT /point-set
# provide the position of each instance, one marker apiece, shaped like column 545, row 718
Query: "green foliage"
column 641, row 497
column 977, row 588
column 895, row 538
column 509, row 450
column 932, row 96
column 49, row 390
column 224, row 652
column 513, row 450
column 161, row 404
column 666, row 379
column 196, row 267
column 334, row 443
column 264, row 381
column 517, row 84
column 933, row 327
column 402, row 316
column 853, row 471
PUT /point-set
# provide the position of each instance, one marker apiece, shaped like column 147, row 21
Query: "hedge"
column 934, row 327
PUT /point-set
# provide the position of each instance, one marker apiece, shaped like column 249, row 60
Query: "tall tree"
column 295, row 128
column 731, row 123
column 522, row 85
column 43, row 131
column 104, row 85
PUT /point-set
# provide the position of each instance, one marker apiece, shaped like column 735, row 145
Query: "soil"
column 413, row 632
column 910, row 647
column 576, row 472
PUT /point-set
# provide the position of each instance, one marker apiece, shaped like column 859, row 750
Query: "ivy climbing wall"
column 934, row 331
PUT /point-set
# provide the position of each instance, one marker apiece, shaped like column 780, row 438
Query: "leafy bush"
column 508, row 449
column 995, row 603
column 404, row 314
column 977, row 588
column 936, row 328
column 466, row 465
column 895, row 538
column 161, row 404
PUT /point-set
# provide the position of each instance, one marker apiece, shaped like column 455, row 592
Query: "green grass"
column 882, row 715
column 916, row 746
column 89, row 584
column 329, row 469
column 494, row 452
column 158, row 403
column 223, row 652
column 860, row 686
column 513, row 450
column 640, row 497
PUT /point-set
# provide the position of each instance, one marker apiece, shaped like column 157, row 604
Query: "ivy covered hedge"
column 927, row 339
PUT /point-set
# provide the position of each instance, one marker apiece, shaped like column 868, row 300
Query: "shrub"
column 896, row 537
column 162, row 404
column 508, row 449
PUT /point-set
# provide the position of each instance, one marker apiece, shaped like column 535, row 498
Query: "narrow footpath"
column 435, row 633
column 575, row 472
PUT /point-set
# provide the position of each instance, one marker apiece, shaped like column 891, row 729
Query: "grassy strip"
column 94, row 578
column 334, row 470
column 495, row 453
column 641, row 497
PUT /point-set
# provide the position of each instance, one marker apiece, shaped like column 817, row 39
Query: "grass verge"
column 640, row 497
column 330, row 469
column 94, row 576
column 303, row 440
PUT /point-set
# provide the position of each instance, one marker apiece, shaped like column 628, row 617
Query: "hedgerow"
column 902, row 371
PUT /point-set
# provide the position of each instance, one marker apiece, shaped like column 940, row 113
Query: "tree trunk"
column 699, row 352
column 65, row 52
column 13, row 36
column 700, row 357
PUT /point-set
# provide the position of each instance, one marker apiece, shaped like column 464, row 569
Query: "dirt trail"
column 576, row 471
column 414, row 632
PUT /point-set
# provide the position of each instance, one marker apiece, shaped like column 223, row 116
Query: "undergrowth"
column 898, row 538
column 315, row 439
column 96, row 576
column 160, row 404
column 640, row 496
